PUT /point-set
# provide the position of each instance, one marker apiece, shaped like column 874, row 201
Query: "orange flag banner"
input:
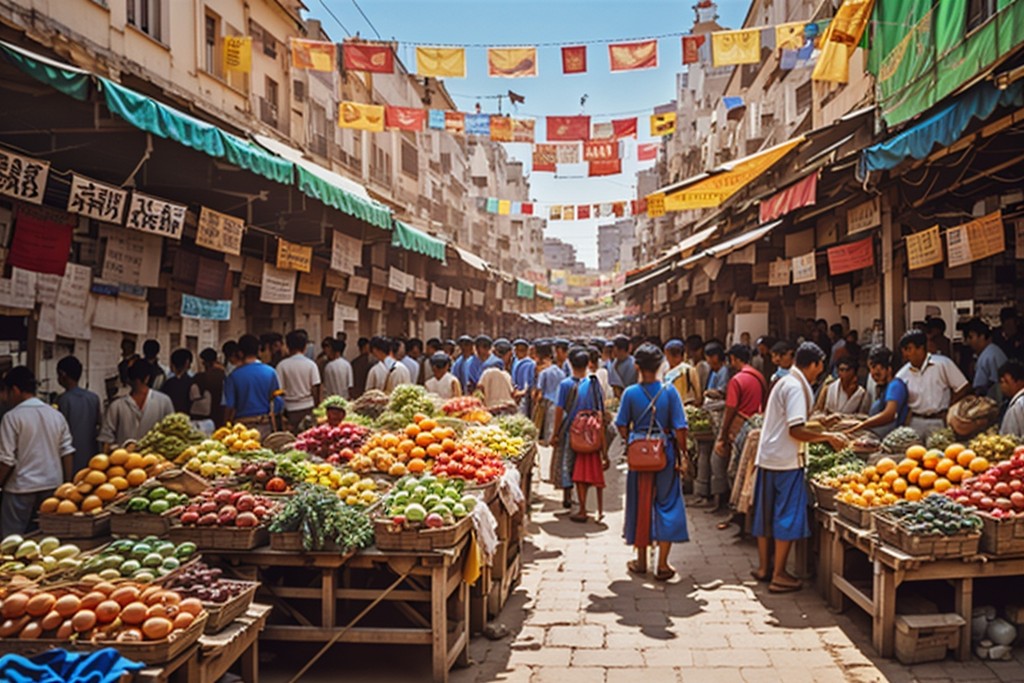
column 840, row 40
column 511, row 62
column 441, row 62
column 315, row 55
column 631, row 56
column 361, row 116
column 501, row 128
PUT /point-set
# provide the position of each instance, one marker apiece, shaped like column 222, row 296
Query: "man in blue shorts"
column 780, row 495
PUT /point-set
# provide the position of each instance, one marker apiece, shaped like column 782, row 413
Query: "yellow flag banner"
column 663, row 124
column 361, row 116
column 736, row 47
column 315, row 55
column 711, row 192
column 511, row 62
column 790, row 36
column 504, row 207
column 441, row 62
column 655, row 205
column 238, row 53
column 840, row 40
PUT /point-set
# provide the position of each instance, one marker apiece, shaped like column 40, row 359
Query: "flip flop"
column 760, row 578
column 722, row 526
column 784, row 587
column 664, row 575
column 634, row 568
column 580, row 518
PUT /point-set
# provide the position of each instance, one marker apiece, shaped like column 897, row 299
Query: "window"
column 978, row 12
column 146, row 16
column 803, row 98
column 271, row 91
column 212, row 44
column 268, row 104
column 410, row 160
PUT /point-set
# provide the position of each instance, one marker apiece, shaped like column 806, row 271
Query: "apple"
column 434, row 521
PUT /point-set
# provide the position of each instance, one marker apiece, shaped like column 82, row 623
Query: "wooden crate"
column 856, row 515
column 926, row 637
column 936, row 546
column 220, row 538
column 223, row 613
column 487, row 492
column 824, row 496
column 77, row 525
column 183, row 481
column 1003, row 537
column 390, row 537
column 123, row 523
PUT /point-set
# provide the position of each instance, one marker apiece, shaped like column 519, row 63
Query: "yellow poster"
column 790, row 36
column 655, row 205
column 291, row 256
column 238, row 53
column 361, row 116
column 511, row 62
column 736, row 47
column 663, row 124
column 441, row 62
column 924, row 248
column 840, row 40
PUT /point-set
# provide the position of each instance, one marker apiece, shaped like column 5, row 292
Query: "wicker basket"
column 220, row 538
column 390, row 537
column 856, row 515
column 488, row 492
column 223, row 613
column 183, row 481
column 824, row 496
column 1002, row 537
column 937, row 546
column 77, row 525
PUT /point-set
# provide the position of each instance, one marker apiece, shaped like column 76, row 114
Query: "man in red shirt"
column 744, row 397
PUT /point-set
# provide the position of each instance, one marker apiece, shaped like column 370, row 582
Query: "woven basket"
column 223, row 613
column 937, row 546
column 390, row 537
column 856, row 515
column 77, row 525
column 220, row 538
column 1003, row 537
column 824, row 496
column 183, row 481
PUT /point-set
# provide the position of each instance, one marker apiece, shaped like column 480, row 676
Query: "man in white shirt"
column 387, row 373
column 299, row 379
column 934, row 383
column 407, row 353
column 442, row 382
column 780, row 495
column 35, row 452
column 495, row 383
column 337, row 375
column 130, row 417
column 844, row 396
column 1011, row 381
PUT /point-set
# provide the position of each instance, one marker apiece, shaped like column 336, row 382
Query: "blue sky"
column 532, row 22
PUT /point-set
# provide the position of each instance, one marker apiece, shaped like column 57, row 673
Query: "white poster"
column 23, row 178
column 131, row 258
column 804, row 268
column 121, row 314
column 47, row 286
column 156, row 216
column 278, row 286
column 97, row 200
column 778, row 273
column 346, row 253
column 72, row 321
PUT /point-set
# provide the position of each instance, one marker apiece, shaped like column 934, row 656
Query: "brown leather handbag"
column 648, row 454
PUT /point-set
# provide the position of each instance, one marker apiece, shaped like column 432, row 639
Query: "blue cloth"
column 780, row 373
column 459, row 370
column 719, row 379
column 567, row 368
column 625, row 371
column 780, row 505
column 524, row 372
column 588, row 397
column 475, row 367
column 248, row 390
column 668, row 518
column 548, row 381
column 613, row 376
column 478, row 124
column 986, row 371
column 896, row 390
column 61, row 666
column 435, row 119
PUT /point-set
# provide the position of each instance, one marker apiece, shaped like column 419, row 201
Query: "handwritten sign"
column 97, row 200
column 131, row 258
column 23, row 178
column 47, row 287
column 396, row 279
column 238, row 53
column 346, row 253
column 805, row 268
column 864, row 216
column 252, row 272
column 867, row 295
column 312, row 283
column 121, row 314
column 292, row 256
column 422, row 289
column 976, row 240
column 358, row 285
column 278, row 286
column 478, row 297
column 71, row 302
column 438, row 295
column 156, row 216
column 345, row 312
column 847, row 258
column 205, row 309
column 454, row 298
column 924, row 248
column 375, row 300
column 219, row 231
column 778, row 273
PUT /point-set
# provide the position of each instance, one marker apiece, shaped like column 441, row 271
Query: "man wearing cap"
column 496, row 384
column 483, row 360
column 459, row 367
column 524, row 374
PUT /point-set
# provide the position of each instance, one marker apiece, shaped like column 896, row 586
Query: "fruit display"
column 325, row 441
column 34, row 558
column 140, row 560
column 155, row 500
column 472, row 463
column 900, row 439
column 223, row 507
column 427, row 501
column 129, row 612
column 262, row 476
column 371, row 404
column 205, row 583
column 238, row 438
column 209, row 459
column 839, row 474
column 320, row 412
column 998, row 490
column 822, row 458
column 468, row 408
column 941, row 438
column 496, row 439
column 411, row 400
column 995, row 446
column 170, row 436
column 934, row 515
column 698, row 420
column 323, row 519
column 105, row 479
column 518, row 425
column 405, row 452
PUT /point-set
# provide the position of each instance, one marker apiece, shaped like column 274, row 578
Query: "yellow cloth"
column 361, row 116
column 789, row 36
column 238, row 53
column 441, row 62
column 840, row 40
column 511, row 62
column 474, row 561
column 663, row 124
column 313, row 54
column 736, row 47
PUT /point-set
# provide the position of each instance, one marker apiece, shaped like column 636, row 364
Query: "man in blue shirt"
column 718, row 380
column 990, row 358
column 524, row 371
column 562, row 356
column 622, row 371
column 889, row 410
column 460, row 365
column 251, row 389
column 483, row 360
column 81, row 408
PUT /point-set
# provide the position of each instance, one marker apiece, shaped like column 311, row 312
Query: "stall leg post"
column 328, row 597
column 439, row 619
column 883, row 630
column 964, row 598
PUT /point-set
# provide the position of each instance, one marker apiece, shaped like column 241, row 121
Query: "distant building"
column 559, row 255
column 615, row 245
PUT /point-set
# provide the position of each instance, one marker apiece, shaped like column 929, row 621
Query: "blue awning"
column 942, row 128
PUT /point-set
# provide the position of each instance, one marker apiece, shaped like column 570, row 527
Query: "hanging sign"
column 655, row 205
column 121, row 314
column 438, row 295
column 804, row 268
column 72, row 295
column 97, row 200
column 375, row 300
column 976, row 240
column 278, row 286
column 454, row 298
column 311, row 283
column 23, row 178
column 42, row 240
column 205, row 309
column 346, row 253
column 291, row 256
column 252, row 272
column 238, row 54
column 358, row 285
column 778, row 273
column 924, row 248
column 156, row 216
column 847, row 258
column 864, row 216
column 219, row 231
column 396, row 279
column 131, row 258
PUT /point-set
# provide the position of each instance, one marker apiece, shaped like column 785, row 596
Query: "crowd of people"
column 273, row 382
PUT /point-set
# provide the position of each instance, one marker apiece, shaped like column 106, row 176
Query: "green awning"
column 525, row 290
column 411, row 239
column 314, row 184
column 167, row 122
column 69, row 80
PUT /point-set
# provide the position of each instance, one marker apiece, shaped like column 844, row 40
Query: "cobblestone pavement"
column 578, row 615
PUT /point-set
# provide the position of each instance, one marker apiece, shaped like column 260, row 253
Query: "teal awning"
column 333, row 194
column 167, row 122
column 66, row 79
column 525, row 290
column 411, row 239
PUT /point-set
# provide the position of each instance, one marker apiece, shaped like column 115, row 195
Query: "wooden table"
column 426, row 588
column 890, row 569
column 236, row 643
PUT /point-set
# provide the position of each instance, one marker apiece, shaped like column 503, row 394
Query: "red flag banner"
column 545, row 158
column 624, row 128
column 527, row 209
column 619, row 209
column 42, row 240
column 501, row 129
column 373, row 57
column 631, row 56
column 405, row 118
column 583, row 212
column 523, row 130
column 455, row 122
column 847, row 258
column 799, row 194
column 600, row 150
column 574, row 59
column 691, row 48
column 605, row 167
column 648, row 151
column 568, row 127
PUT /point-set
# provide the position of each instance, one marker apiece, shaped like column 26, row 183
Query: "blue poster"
column 478, row 124
column 435, row 119
column 205, row 309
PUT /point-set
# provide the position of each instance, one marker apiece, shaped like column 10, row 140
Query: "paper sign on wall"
column 778, row 273
column 97, row 200
column 312, row 282
column 864, row 216
column 804, row 268
column 278, row 286
column 847, row 258
column 291, row 256
column 346, row 253
column 23, row 178
column 976, row 240
column 131, row 258
column 156, row 216
column 219, row 231
column 358, row 285
column 438, row 295
column 72, row 296
column 396, row 279
column 924, row 248
column 205, row 309
column 121, row 314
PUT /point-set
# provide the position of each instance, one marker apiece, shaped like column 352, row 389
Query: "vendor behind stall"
column 889, row 409
column 934, row 383
column 1011, row 381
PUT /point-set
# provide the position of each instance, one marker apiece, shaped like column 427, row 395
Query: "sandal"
column 760, row 578
column 774, row 587
column 664, row 574
column 722, row 526
column 635, row 567
column 580, row 518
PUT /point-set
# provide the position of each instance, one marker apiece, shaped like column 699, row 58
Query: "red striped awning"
column 795, row 196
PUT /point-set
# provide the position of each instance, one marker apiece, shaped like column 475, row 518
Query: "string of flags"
column 563, row 212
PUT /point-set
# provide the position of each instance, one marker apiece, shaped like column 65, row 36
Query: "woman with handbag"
column 652, row 422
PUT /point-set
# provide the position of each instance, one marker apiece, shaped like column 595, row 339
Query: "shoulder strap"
column 652, row 408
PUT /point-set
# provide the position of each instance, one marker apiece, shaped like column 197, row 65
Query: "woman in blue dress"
column 655, row 510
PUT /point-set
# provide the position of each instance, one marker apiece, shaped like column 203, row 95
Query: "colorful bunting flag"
column 568, row 127
column 632, row 56
column 517, row 208
column 569, row 213
column 478, row 124
column 455, row 122
column 435, row 119
column 504, row 207
column 376, row 58
column 315, row 55
column 527, row 208
column 663, row 124
column 238, row 54
column 441, row 62
column 574, row 59
column 603, row 131
column 555, row 213
column 624, row 128
column 605, row 167
column 619, row 209
column 790, row 36
column 736, row 47
column 840, row 40
column 647, row 151
column 361, row 116
column 599, row 150
column 691, row 48
column 511, row 62
column 568, row 154
column 583, row 212
column 545, row 157
column 404, row 118
column 523, row 130
column 492, row 205
column 501, row 128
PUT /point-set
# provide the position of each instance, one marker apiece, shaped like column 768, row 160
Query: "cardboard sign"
column 156, row 216
column 804, row 268
column 778, row 273
column 358, row 285
column 219, row 231
column 346, row 253
column 292, row 256
column 976, row 240
column 924, row 248
column 278, row 286
column 864, row 216
column 97, row 200
column 311, row 283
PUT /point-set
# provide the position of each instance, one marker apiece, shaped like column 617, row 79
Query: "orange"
column 50, row 505
column 870, row 472
column 912, row 494
column 116, row 471
column 136, row 477
column 91, row 503
column 927, row 479
column 424, row 439
column 438, row 433
column 412, row 430
column 95, row 477
column 418, row 452
column 416, row 465
column 931, row 460
column 965, row 457
column 914, row 474
column 916, row 452
column 427, row 424
column 956, row 473
column 419, row 417
column 134, row 461
column 449, row 433
column 979, row 465
column 66, row 507
column 448, row 445
column 944, row 466
column 119, row 483
column 406, row 445
column 99, row 462
column 389, row 441
column 434, row 450
column 899, row 485
column 905, row 466
column 119, row 457
column 890, row 476
column 885, row 464
column 954, row 449
column 942, row 485
column 151, row 459
column 106, row 492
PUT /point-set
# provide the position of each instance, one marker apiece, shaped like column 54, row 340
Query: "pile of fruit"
column 411, row 400
column 428, row 501
column 170, row 436
column 468, row 408
column 518, row 425
column 371, row 404
column 698, row 419
column 351, row 487
column 263, row 476
column 822, row 458
column 405, row 452
column 900, row 439
column 941, row 438
column 223, row 507
column 326, row 441
column 998, row 490
column 472, row 463
column 238, row 438
column 934, row 515
column 142, row 561
column 156, row 501
column 125, row 613
column 323, row 519
column 995, row 447
column 32, row 559
column 203, row 583
column 496, row 439
column 210, row 459
column 105, row 479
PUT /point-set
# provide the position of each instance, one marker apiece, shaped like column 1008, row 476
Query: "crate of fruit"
column 224, row 519
column 857, row 515
column 223, row 599
column 146, row 512
column 425, row 514
column 75, row 525
column 1003, row 536
column 936, row 526
column 824, row 496
column 406, row 536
